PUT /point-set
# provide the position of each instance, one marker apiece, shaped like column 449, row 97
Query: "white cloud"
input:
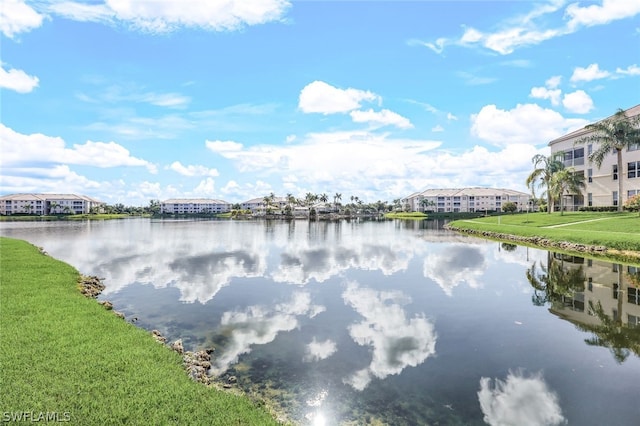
column 17, row 80
column 162, row 16
column 44, row 151
column 259, row 325
column 544, row 93
column 17, row 17
column 438, row 128
column 316, row 351
column 451, row 117
column 553, row 82
column 578, row 102
column 526, row 123
column 532, row 28
column 192, row 170
column 206, row 188
column 381, row 118
column 397, row 342
column 630, row 70
column 590, row 73
column 83, row 12
column 455, row 265
column 49, row 179
column 378, row 166
column 608, row 11
column 223, row 147
column 323, row 98
column 507, row 41
column 519, row 400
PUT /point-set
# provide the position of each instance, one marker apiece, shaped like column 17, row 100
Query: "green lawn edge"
column 63, row 354
column 406, row 215
column 598, row 234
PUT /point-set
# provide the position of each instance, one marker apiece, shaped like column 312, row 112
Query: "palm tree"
column 565, row 181
column 337, row 197
column 613, row 135
column 545, row 167
column 619, row 338
column 426, row 203
column 324, row 198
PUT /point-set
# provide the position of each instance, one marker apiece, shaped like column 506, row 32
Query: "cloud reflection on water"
column 519, row 400
column 258, row 325
column 397, row 342
column 454, row 265
column 320, row 264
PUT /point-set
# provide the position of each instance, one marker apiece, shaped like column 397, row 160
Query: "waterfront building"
column 258, row 205
column 460, row 200
column 194, row 206
column 46, row 204
column 601, row 182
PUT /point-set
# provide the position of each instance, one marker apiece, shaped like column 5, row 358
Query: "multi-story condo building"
column 258, row 204
column 194, row 206
column 45, row 204
column 465, row 200
column 601, row 182
column 611, row 286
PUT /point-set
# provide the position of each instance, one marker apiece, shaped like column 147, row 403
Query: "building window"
column 615, row 198
column 633, row 295
column 633, row 169
column 589, row 149
column 590, row 175
column 590, row 199
column 634, row 147
column 615, row 172
column 632, row 192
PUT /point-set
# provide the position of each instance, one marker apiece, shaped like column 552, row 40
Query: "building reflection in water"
column 598, row 297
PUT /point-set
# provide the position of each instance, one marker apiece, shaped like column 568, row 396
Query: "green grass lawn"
column 101, row 216
column 619, row 231
column 406, row 215
column 63, row 353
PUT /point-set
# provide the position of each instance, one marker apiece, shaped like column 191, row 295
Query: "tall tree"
column 545, row 167
column 612, row 136
column 565, row 181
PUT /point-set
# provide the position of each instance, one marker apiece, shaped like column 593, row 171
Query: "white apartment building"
column 45, row 204
column 601, row 183
column 609, row 284
column 258, row 204
column 194, row 206
column 462, row 200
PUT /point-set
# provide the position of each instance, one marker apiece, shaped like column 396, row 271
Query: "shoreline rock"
column 90, row 286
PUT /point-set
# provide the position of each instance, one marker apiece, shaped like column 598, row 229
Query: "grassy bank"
column 405, row 215
column 34, row 218
column 619, row 232
column 64, row 353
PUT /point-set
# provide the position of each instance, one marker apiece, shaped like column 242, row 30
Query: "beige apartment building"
column 462, row 200
column 601, row 183
column 45, row 204
column 194, row 206
column 612, row 286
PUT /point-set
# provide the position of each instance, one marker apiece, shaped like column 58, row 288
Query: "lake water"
column 375, row 322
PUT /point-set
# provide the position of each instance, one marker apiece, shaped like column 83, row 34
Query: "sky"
column 129, row 101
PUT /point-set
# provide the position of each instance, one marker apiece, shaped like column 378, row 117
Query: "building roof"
column 194, row 201
column 48, row 197
column 260, row 200
column 475, row 191
column 631, row 112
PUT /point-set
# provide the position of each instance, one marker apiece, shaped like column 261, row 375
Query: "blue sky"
column 129, row 101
